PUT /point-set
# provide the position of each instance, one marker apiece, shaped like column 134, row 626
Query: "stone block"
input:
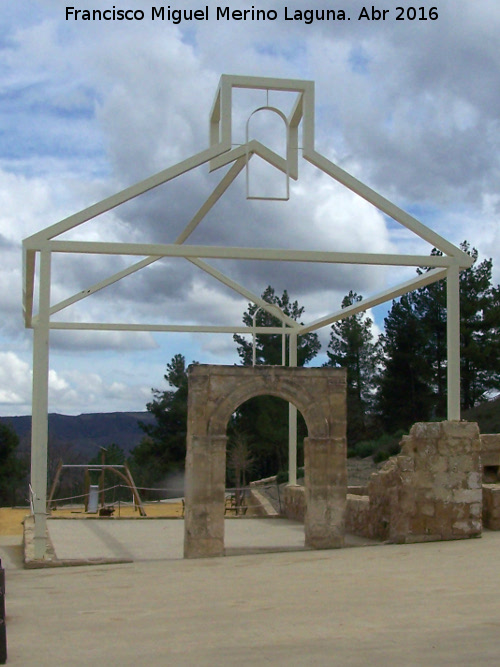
column 294, row 502
column 467, row 495
column 475, row 510
column 490, row 449
column 406, row 463
column 437, row 463
column 461, row 463
column 460, row 430
column 449, row 480
column 407, row 502
column 426, row 508
column 491, row 506
column 357, row 516
column 474, row 480
column 425, row 430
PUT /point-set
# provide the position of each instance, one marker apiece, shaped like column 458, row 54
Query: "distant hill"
column 487, row 415
column 86, row 433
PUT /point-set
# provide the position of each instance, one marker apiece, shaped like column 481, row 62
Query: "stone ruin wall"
column 490, row 458
column 433, row 490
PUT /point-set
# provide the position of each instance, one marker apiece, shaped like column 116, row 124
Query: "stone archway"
column 214, row 394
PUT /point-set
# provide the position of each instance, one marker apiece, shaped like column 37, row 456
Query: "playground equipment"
column 101, row 468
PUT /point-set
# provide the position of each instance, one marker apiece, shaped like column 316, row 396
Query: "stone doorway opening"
column 215, row 392
column 261, row 426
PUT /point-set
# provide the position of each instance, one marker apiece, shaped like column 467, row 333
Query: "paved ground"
column 417, row 605
column 157, row 539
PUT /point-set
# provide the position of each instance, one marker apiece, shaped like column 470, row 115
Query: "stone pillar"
column 205, row 490
column 325, row 489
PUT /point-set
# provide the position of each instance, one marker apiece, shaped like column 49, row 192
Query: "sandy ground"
column 164, row 510
column 424, row 605
column 11, row 519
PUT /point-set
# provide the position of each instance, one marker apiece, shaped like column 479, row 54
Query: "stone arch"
column 215, row 392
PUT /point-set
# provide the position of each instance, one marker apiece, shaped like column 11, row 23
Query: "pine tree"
column 479, row 332
column 351, row 347
column 404, row 394
column 412, row 384
column 163, row 450
column 263, row 420
column 13, row 470
column 479, row 329
column 268, row 346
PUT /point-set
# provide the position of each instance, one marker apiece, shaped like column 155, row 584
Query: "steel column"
column 453, row 340
column 292, row 420
column 39, row 424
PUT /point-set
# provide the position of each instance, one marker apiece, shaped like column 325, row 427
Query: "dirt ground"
column 11, row 519
column 360, row 470
column 164, row 510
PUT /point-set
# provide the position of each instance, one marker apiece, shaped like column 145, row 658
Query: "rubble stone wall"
column 490, row 457
column 491, row 506
column 294, row 502
column 431, row 491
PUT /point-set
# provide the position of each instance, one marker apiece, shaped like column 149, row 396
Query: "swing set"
column 92, row 492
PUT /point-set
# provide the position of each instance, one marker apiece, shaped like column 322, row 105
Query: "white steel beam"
column 386, row 206
column 360, row 306
column 264, row 254
column 189, row 328
column 259, row 301
column 453, row 341
column 265, row 83
column 249, row 149
column 29, row 261
column 219, row 190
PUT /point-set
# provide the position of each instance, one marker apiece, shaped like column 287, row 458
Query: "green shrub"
column 363, row 449
column 282, row 476
column 380, row 449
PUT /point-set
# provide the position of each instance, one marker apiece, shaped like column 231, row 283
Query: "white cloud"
column 15, row 380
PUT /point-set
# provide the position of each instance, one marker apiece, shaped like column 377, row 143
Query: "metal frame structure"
column 222, row 152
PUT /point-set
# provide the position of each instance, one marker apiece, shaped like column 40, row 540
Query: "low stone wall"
column 259, row 504
column 490, row 457
column 357, row 518
column 491, row 506
column 294, row 502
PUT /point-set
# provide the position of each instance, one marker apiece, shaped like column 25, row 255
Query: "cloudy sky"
column 410, row 107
